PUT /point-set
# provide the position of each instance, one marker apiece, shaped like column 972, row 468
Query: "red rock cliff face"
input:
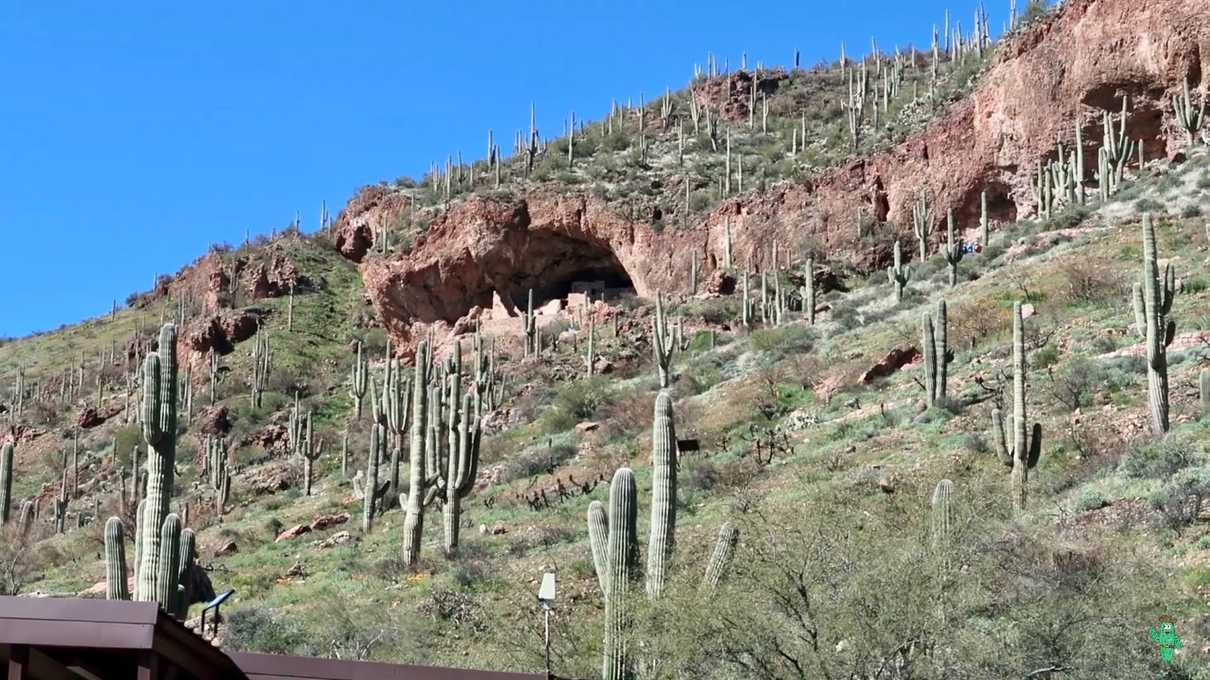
column 1056, row 75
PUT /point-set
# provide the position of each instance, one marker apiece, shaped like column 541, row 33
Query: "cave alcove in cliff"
column 557, row 266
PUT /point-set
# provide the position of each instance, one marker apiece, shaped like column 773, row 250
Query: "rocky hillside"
column 818, row 421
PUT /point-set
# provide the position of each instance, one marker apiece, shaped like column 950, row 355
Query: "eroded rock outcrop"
column 1054, row 75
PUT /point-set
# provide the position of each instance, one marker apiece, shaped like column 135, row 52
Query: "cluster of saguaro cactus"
column 899, row 273
column 1187, row 117
column 444, row 455
column 663, row 342
column 6, row 481
column 262, row 363
column 1153, row 298
column 159, row 417
column 937, row 355
column 1116, row 149
column 175, row 557
column 378, row 442
column 613, row 540
column 952, row 251
column 1021, row 453
column 358, row 376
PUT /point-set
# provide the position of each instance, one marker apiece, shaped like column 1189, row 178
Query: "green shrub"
column 255, row 629
column 1148, row 205
column 780, row 342
column 1090, row 499
column 1156, row 460
column 578, row 401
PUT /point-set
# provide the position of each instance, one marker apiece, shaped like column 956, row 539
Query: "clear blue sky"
column 135, row 133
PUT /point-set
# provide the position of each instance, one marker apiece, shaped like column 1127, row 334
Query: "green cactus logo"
column 1165, row 636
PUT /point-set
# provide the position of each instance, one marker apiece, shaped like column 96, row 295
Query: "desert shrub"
column 1192, row 210
column 1090, row 280
column 1156, row 459
column 783, row 341
column 255, row 629
column 537, row 461
column 973, row 442
column 1074, row 383
column 1148, row 205
column 578, row 401
column 1070, row 218
column 1090, row 499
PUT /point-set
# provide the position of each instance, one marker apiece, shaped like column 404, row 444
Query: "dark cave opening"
column 558, row 266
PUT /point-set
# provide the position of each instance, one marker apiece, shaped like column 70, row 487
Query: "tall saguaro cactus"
column 1204, row 391
column 6, row 481
column 720, row 558
column 262, row 362
column 922, row 224
column 396, row 406
column 663, row 493
column 942, row 514
column 1187, row 117
column 663, row 342
column 159, row 431
column 1152, row 304
column 808, row 289
column 935, row 341
column 1026, row 446
column 418, row 482
column 952, row 251
column 457, row 473
column 357, row 379
column 531, row 328
column 115, row 561
column 899, row 273
column 621, row 559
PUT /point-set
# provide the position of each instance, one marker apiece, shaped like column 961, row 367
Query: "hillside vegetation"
column 820, row 468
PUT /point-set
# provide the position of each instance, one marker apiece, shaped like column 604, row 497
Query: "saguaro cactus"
column 1187, row 117
column 6, row 481
column 1204, row 391
column 418, row 481
column 899, row 273
column 262, row 362
column 457, row 473
column 169, row 561
column 115, row 561
column 531, row 328
column 922, row 224
column 159, row 431
column 357, row 379
column 720, row 558
column 1022, row 455
column 952, row 251
column 937, row 354
column 663, row 342
column 311, row 451
column 378, row 439
column 396, row 403
column 663, row 493
column 1152, row 304
column 808, row 289
column 942, row 514
column 621, row 559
